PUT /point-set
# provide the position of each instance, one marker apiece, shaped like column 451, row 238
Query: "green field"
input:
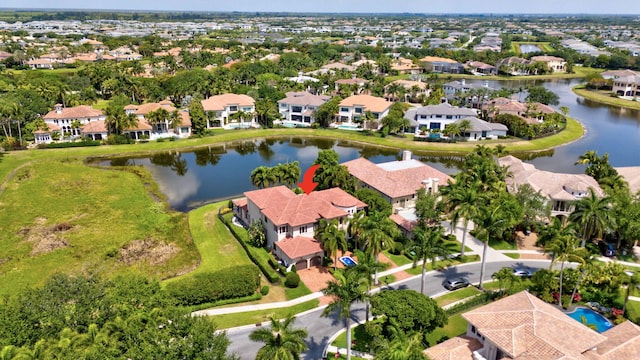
column 544, row 46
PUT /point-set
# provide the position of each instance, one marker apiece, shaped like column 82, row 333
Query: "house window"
column 296, row 109
column 357, row 110
column 344, row 109
column 303, row 229
column 233, row 108
column 434, row 125
column 282, row 230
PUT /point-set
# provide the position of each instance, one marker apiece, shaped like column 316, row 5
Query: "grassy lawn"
column 63, row 216
column 605, row 97
column 453, row 296
column 513, row 255
column 254, row 317
column 455, row 327
column 544, row 46
column 502, row 245
column 295, row 293
column 213, row 240
column 418, row 269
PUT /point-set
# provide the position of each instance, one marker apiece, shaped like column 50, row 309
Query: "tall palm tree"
column 490, row 221
column 400, row 346
column 378, row 234
column 592, row 215
column 347, row 288
column 355, row 227
column 332, row 238
column 565, row 248
column 462, row 203
column 281, row 341
column 632, row 280
column 367, row 267
column 427, row 244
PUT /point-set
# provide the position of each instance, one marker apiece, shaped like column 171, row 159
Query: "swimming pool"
column 591, row 317
column 348, row 261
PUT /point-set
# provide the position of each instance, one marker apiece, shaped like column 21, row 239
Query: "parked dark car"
column 456, row 283
column 607, row 249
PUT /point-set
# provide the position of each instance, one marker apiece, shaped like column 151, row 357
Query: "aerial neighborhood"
column 282, row 185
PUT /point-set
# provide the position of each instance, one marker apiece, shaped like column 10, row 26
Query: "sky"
column 349, row 6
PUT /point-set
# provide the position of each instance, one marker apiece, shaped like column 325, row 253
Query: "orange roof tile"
column 76, row 112
column 299, row 247
column 370, row 103
column 94, row 127
column 218, row 102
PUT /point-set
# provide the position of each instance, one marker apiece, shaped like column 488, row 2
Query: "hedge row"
column 72, row 144
column 229, row 283
column 259, row 256
column 482, row 299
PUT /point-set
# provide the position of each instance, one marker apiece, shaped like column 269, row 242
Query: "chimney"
column 406, row 155
column 435, row 185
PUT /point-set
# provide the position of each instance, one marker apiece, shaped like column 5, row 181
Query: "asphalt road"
column 320, row 328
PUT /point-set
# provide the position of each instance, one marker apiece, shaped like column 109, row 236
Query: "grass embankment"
column 62, row 216
column 604, row 97
column 254, row 317
column 578, row 72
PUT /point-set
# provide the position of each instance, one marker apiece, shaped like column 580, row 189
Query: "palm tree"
column 592, row 215
column 427, row 244
column 632, row 280
column 378, row 234
column 462, row 203
column 565, row 248
column 490, row 221
column 332, row 238
column 506, row 279
column 355, row 227
column 349, row 287
column 367, row 267
column 399, row 346
column 281, row 342
column 465, row 126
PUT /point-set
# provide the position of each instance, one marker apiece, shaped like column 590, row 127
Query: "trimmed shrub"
column 292, row 280
column 229, row 283
column 265, row 290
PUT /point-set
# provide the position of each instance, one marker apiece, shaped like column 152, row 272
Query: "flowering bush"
column 616, row 312
column 577, row 297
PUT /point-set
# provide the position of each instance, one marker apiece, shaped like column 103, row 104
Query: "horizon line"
column 314, row 12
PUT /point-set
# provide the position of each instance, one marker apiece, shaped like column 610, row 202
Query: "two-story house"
column 432, row 117
column 561, row 190
column 166, row 127
column 439, row 65
column 298, row 108
column 521, row 326
column 554, row 63
column 230, row 111
column 628, row 86
column 531, row 112
column 65, row 120
column 290, row 220
column 353, row 108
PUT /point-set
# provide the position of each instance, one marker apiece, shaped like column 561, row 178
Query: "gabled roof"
column 219, row 102
column 437, row 59
column 525, row 327
column 461, row 347
column 280, row 205
column 396, row 178
column 76, row 112
column 146, row 108
column 368, row 102
column 481, row 125
column 94, row 127
column 623, row 342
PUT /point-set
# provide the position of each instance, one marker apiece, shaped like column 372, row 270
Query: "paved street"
column 322, row 328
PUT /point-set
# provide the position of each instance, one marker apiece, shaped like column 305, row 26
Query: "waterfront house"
column 290, row 220
column 481, row 130
column 353, row 108
column 436, row 117
column 298, row 108
column 163, row 127
column 434, row 64
column 64, row 120
column 222, row 111
column 560, row 190
column 554, row 63
column 532, row 113
column 480, row 68
column 627, row 86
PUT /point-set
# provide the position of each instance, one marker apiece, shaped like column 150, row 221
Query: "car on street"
column 522, row 272
column 455, row 283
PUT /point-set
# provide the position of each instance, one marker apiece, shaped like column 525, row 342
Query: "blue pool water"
column 592, row 317
column 348, row 261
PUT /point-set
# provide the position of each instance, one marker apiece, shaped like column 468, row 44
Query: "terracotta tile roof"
column 144, row 109
column 623, row 342
column 304, row 98
column 52, row 127
column 437, row 59
column 525, row 327
column 408, row 84
column 76, row 112
column 404, row 179
column 281, row 206
column 299, row 247
column 142, row 125
column 408, row 225
column 547, row 58
column 370, row 103
column 218, row 102
column 185, row 118
column 94, row 127
column 461, row 347
column 556, row 186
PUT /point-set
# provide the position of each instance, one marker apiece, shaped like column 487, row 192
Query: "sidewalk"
column 474, row 244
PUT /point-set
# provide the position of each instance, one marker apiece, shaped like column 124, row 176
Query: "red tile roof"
column 218, row 102
column 299, row 247
column 282, row 206
column 76, row 112
column 395, row 183
column 94, row 127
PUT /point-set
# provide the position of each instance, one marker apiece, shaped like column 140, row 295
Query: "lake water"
column 190, row 179
column 528, row 48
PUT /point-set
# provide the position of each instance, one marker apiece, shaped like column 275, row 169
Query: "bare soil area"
column 45, row 238
column 147, row 250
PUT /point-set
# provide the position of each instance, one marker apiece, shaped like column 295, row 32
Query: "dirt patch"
column 527, row 242
column 146, row 250
column 45, row 239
